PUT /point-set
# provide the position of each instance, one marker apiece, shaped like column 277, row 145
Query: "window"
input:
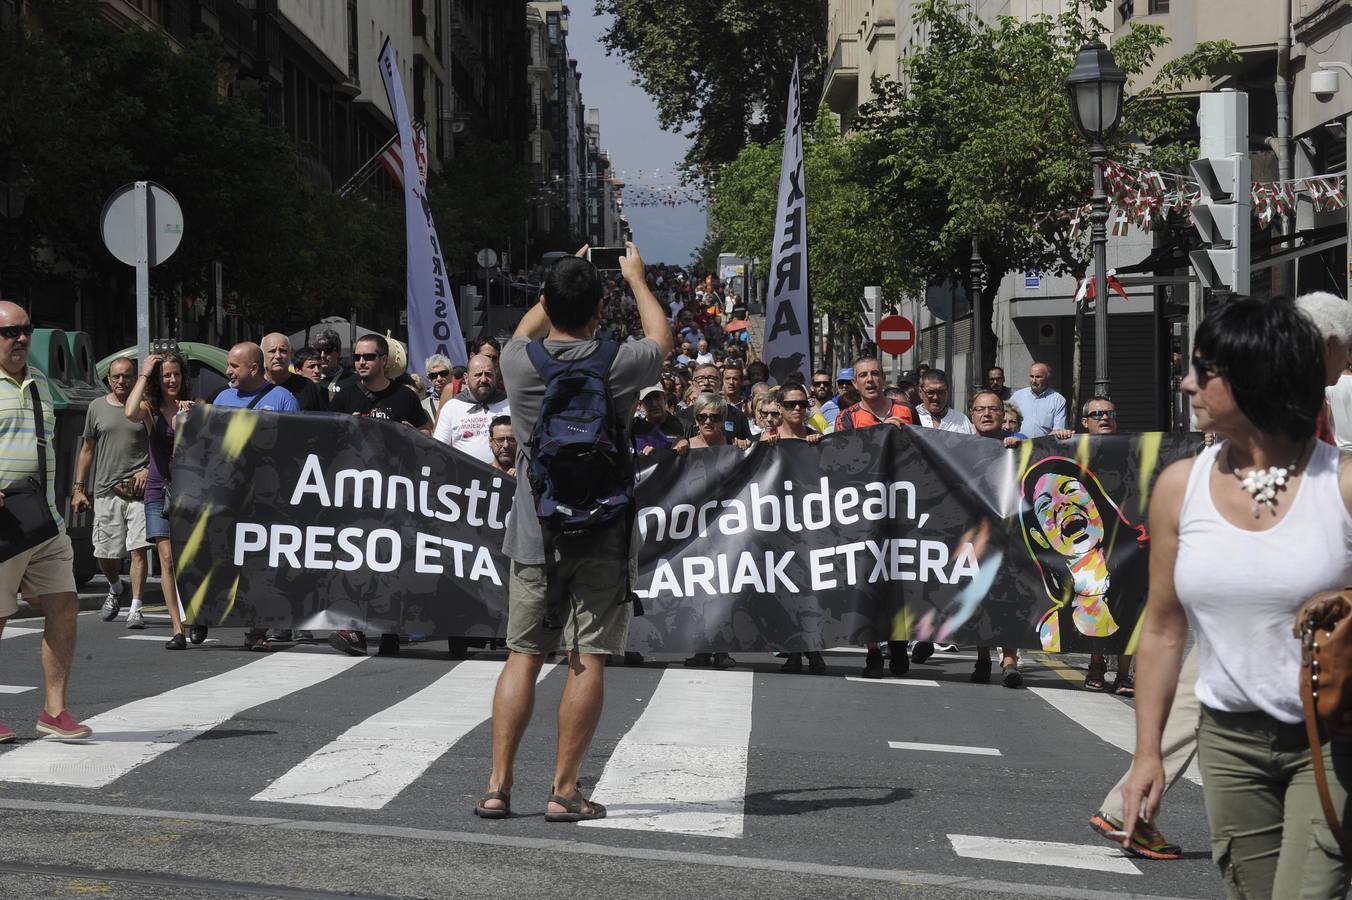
column 1159, row 7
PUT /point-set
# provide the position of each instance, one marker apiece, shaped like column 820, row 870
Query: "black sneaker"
column 177, row 642
column 282, row 635
column 699, row 660
column 1013, row 678
column 197, row 634
column 815, row 664
column 633, row 658
column 923, row 650
column 873, row 663
column 112, row 604
column 982, row 673
column 389, row 645
column 793, row 665
column 724, row 661
column 353, row 643
column 900, row 663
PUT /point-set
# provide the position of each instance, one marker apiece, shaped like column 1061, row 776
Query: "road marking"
column 845, row 650
column 157, row 637
column 1105, row 717
column 136, row 733
column 434, row 841
column 944, row 748
column 16, row 688
column 912, row 682
column 13, row 631
column 1095, row 857
column 369, row 764
column 682, row 767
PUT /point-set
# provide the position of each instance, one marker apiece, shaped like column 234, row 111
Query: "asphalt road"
column 219, row 773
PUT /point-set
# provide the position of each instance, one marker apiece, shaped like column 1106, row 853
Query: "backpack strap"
column 266, row 389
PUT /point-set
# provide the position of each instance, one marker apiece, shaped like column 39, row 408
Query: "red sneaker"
column 63, row 726
column 353, row 643
column 5, row 734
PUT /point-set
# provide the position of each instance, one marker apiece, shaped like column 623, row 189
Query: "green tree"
column 85, row 108
column 978, row 141
column 479, row 200
column 847, row 249
column 719, row 70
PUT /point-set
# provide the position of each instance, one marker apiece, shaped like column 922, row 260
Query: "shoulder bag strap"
column 40, row 428
column 260, row 395
column 1309, row 673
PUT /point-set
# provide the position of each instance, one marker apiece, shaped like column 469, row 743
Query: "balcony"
column 842, row 74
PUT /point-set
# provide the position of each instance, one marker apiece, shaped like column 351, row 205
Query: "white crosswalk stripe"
column 14, row 631
column 682, row 768
column 370, row 763
column 132, row 735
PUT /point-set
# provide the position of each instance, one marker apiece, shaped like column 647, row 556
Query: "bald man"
column 45, row 574
column 465, row 419
column 277, row 369
column 1044, row 410
column 248, row 388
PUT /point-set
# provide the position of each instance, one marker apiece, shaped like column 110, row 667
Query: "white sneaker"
column 136, row 620
column 112, row 604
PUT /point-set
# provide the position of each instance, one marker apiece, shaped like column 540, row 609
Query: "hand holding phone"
column 607, row 259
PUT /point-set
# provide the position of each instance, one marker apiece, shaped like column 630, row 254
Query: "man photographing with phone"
column 592, row 566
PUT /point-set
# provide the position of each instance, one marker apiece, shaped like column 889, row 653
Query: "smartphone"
column 164, row 345
column 607, row 258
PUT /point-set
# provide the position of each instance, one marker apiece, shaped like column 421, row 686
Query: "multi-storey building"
column 862, row 39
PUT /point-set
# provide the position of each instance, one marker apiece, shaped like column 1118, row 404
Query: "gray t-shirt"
column 637, row 365
column 121, row 449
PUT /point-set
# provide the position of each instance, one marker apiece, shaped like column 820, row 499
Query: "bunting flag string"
column 1143, row 198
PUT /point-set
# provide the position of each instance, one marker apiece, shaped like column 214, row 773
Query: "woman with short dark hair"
column 1241, row 536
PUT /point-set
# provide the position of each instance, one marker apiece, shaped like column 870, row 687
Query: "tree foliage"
column 481, row 199
column 719, row 70
column 846, row 251
column 85, row 108
column 976, row 141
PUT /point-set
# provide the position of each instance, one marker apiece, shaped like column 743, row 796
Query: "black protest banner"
column 326, row 521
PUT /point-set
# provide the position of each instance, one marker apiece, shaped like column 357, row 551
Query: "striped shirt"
column 18, row 438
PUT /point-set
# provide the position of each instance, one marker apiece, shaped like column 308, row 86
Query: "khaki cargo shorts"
column 49, row 568
column 119, row 527
column 597, row 597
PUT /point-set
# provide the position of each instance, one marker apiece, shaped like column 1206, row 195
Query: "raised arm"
column 535, row 323
column 650, row 312
column 134, row 407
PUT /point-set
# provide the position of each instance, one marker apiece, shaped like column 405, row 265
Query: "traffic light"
column 473, row 312
column 1224, row 177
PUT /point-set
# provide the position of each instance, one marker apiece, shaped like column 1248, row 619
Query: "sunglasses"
column 794, row 404
column 442, row 374
column 1101, row 414
column 708, row 418
column 1202, row 367
column 366, row 357
column 11, row 332
column 821, row 384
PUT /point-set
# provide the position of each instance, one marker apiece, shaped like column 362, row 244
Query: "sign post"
column 142, row 225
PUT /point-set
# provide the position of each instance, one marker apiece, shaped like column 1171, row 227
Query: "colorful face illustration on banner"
column 1071, row 529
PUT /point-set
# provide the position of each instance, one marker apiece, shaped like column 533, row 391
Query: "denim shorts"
column 157, row 526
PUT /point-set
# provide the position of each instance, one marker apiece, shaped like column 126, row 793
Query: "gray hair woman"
column 711, row 415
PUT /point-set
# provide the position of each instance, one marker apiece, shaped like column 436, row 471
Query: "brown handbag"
column 1324, row 626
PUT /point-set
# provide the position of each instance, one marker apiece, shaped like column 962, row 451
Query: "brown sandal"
column 574, row 809
column 1094, row 679
column 485, row 812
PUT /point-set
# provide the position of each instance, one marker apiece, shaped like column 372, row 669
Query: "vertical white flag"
column 788, row 341
column 433, row 326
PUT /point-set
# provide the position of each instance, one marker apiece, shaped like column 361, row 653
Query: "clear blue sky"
column 629, row 130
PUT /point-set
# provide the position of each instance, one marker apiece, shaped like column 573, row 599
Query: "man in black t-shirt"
column 707, row 378
column 277, row 367
column 375, row 396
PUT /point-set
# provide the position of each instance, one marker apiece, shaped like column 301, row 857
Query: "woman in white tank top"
column 1237, row 545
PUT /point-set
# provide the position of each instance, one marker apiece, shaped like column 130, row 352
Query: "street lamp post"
column 1094, row 89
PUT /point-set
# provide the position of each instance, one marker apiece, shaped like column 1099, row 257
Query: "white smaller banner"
column 788, row 343
column 433, row 326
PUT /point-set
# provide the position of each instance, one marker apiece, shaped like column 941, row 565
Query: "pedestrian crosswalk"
column 679, row 761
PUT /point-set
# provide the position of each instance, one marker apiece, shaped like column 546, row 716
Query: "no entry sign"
column 895, row 335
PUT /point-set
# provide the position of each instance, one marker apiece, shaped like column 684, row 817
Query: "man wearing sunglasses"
column 334, row 376
column 375, row 397
column 45, row 573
